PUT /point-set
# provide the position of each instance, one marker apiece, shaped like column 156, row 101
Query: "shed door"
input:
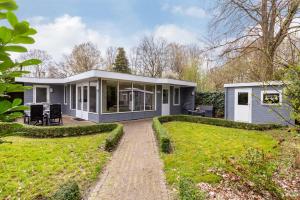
column 242, row 105
column 165, row 107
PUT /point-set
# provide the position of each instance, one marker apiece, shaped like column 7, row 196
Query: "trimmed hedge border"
column 116, row 131
column 164, row 139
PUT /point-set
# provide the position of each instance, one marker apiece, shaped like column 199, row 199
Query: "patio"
column 68, row 121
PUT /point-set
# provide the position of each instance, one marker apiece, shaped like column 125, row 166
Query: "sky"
column 61, row 24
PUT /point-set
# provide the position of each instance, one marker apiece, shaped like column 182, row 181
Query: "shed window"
column 243, row 98
column 271, row 97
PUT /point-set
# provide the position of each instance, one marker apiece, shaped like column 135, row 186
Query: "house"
column 103, row 96
column 257, row 102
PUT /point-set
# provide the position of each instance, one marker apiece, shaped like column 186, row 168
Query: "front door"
column 165, row 108
column 82, row 101
column 242, row 105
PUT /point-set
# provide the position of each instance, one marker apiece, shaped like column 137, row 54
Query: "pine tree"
column 121, row 62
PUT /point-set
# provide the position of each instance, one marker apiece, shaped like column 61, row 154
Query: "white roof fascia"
column 253, row 84
column 106, row 75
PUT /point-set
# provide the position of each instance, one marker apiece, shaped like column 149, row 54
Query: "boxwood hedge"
column 164, row 139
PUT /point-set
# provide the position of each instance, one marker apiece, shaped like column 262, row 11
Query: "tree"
column 84, row 57
column 11, row 38
column 121, row 62
column 152, row 57
column 110, row 57
column 256, row 26
column 40, row 70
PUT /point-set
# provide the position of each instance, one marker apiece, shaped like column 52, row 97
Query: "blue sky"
column 63, row 23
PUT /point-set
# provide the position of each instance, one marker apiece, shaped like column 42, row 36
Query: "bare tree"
column 84, row 57
column 152, row 57
column 110, row 57
column 41, row 70
column 246, row 26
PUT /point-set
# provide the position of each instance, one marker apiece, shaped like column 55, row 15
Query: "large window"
column 176, row 100
column 138, row 94
column 125, row 98
column 93, row 97
column 271, row 97
column 109, row 96
column 41, row 94
column 73, row 96
column 149, row 97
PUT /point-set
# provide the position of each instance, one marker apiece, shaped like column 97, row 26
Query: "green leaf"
column 4, row 57
column 19, row 108
column 5, row 105
column 12, row 18
column 31, row 62
column 5, row 34
column 8, row 5
column 7, row 65
column 22, row 40
column 31, row 31
column 16, row 102
column 21, row 27
column 15, row 48
column 2, row 15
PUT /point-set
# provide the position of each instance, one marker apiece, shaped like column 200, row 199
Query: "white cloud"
column 59, row 36
column 190, row 11
column 174, row 33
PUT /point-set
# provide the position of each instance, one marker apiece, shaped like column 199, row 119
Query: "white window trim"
column 271, row 92
column 41, row 86
column 65, row 94
column 174, row 96
column 132, row 111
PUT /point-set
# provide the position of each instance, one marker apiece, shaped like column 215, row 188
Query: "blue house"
column 102, row 96
column 257, row 102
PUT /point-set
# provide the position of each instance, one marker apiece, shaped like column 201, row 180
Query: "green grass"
column 200, row 147
column 29, row 167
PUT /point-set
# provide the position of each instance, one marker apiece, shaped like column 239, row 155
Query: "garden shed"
column 257, row 102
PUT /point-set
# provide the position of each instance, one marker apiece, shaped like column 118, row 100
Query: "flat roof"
column 105, row 75
column 253, row 84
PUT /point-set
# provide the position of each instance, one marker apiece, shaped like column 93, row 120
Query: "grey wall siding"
column 261, row 114
column 229, row 106
column 267, row 113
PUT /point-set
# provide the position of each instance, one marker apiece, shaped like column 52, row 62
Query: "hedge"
column 9, row 128
column 216, row 99
column 218, row 122
column 162, row 136
column 114, row 137
column 68, row 191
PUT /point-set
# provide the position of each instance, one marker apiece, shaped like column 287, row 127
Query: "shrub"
column 216, row 99
column 65, row 131
column 189, row 191
column 114, row 137
column 9, row 128
column 162, row 136
column 68, row 191
column 256, row 170
column 218, row 122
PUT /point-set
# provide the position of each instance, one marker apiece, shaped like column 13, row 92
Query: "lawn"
column 29, row 167
column 200, row 147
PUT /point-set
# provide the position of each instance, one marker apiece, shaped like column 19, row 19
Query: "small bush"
column 9, row 128
column 189, row 191
column 114, row 137
column 216, row 99
column 218, row 122
column 256, row 170
column 65, row 131
column 162, row 136
column 68, row 191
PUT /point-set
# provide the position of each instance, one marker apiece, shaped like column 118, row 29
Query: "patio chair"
column 206, row 109
column 55, row 114
column 35, row 116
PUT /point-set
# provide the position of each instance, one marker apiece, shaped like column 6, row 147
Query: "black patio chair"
column 55, row 114
column 35, row 116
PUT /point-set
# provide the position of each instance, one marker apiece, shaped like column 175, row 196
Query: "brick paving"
column 135, row 170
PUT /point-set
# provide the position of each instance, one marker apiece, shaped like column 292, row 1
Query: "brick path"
column 135, row 171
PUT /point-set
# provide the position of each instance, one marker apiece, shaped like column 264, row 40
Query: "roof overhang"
column 105, row 75
column 254, row 84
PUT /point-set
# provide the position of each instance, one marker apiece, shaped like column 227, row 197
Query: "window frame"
column 174, row 88
column 271, row 92
column 132, row 102
column 41, row 86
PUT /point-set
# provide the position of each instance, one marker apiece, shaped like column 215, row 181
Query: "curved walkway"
column 135, row 171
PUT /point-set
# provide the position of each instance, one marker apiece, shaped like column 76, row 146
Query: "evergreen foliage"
column 121, row 62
